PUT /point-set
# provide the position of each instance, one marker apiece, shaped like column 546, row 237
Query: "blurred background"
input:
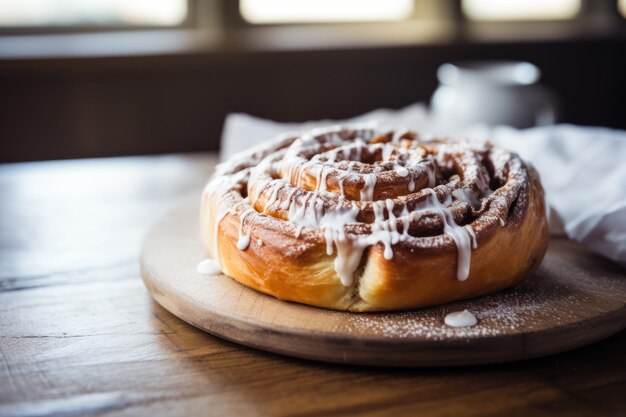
column 126, row 77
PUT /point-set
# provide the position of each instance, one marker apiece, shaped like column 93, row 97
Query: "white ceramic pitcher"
column 492, row 93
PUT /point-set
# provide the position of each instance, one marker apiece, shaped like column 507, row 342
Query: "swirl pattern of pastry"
column 366, row 220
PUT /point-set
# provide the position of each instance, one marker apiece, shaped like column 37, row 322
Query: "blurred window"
column 521, row 9
column 297, row 11
column 622, row 7
column 44, row 13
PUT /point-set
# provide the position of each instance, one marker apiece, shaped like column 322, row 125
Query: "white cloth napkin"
column 583, row 169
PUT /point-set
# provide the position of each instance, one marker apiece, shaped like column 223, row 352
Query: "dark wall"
column 121, row 106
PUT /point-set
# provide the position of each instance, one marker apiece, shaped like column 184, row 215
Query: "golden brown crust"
column 292, row 262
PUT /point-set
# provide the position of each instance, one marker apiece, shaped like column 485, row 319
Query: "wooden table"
column 79, row 333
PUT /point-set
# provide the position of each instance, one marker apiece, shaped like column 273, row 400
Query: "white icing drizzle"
column 208, row 267
column 320, row 178
column 287, row 203
column 430, row 169
column 459, row 234
column 392, row 236
column 217, row 189
column 367, row 192
column 340, row 180
column 402, row 171
column 259, row 188
column 349, row 255
column 412, row 184
column 244, row 239
column 307, row 210
column 345, row 175
column 460, row 319
column 277, row 187
column 472, row 234
column 322, row 184
column 243, row 242
column 384, row 231
column 387, row 151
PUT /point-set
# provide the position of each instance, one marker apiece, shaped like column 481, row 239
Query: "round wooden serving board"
column 575, row 299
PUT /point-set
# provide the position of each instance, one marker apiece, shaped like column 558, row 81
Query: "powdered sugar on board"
column 545, row 299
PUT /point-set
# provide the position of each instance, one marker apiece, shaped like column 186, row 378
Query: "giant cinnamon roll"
column 366, row 220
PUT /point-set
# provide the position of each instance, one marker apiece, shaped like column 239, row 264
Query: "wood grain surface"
column 571, row 301
column 80, row 335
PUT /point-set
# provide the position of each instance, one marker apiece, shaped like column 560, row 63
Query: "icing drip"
column 392, row 236
column 243, row 242
column 287, row 203
column 348, row 251
column 321, row 178
column 244, row 239
column 348, row 258
column 341, row 190
column 345, row 175
column 333, row 223
column 402, row 171
column 273, row 196
column 460, row 319
column 367, row 192
column 412, row 184
column 387, row 151
column 472, row 234
column 217, row 189
column 459, row 234
column 430, row 169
